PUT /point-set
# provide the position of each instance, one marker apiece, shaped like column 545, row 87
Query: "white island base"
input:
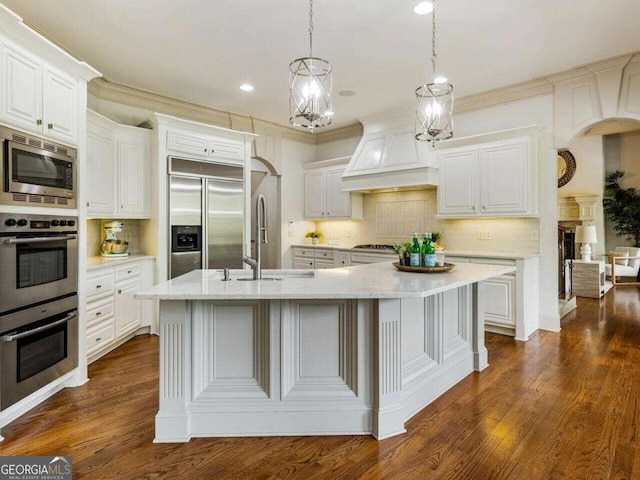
column 312, row 366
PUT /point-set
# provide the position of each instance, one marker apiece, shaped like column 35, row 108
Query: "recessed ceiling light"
column 246, row 87
column 346, row 93
column 423, row 8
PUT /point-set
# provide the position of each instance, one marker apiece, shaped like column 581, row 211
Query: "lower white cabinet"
column 318, row 258
column 508, row 309
column 113, row 315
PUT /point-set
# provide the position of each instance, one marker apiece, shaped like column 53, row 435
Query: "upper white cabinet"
column 118, row 158
column 100, row 167
column 495, row 179
column 323, row 195
column 38, row 97
column 219, row 149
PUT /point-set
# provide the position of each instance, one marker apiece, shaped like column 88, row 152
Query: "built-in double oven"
column 38, row 302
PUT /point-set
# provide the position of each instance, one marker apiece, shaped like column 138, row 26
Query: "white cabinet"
column 132, row 155
column 317, row 258
column 492, row 179
column 113, row 315
column 510, row 306
column 221, row 149
column 323, row 195
column 100, row 170
column 38, row 97
column 118, row 160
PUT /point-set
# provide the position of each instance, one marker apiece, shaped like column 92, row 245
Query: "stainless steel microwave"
column 36, row 172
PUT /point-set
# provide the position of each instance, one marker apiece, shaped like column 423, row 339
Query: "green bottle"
column 428, row 252
column 414, row 252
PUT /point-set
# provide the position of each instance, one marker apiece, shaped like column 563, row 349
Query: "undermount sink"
column 267, row 275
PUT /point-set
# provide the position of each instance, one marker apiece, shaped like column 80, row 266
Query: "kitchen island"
column 356, row 350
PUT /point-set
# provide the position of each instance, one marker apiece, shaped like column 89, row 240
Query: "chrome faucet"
column 261, row 237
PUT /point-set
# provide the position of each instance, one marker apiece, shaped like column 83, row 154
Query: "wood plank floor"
column 560, row 406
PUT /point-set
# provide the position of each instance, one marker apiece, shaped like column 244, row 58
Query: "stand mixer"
column 112, row 247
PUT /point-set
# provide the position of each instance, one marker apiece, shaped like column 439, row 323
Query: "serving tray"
column 403, row 268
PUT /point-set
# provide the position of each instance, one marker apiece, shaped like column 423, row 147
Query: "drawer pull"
column 98, row 339
column 128, row 271
column 98, row 286
column 98, row 314
column 119, row 291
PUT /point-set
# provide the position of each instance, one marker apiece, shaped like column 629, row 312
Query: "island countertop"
column 376, row 280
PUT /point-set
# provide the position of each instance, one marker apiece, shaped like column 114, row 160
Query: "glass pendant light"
column 310, row 85
column 434, row 113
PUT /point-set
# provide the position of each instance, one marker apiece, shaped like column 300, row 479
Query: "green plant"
column 622, row 207
column 435, row 236
column 314, row 234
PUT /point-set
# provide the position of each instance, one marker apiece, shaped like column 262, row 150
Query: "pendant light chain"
column 433, row 39
column 310, row 28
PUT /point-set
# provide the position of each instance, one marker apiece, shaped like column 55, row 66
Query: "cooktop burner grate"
column 376, row 247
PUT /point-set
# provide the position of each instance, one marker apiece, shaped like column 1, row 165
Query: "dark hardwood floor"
column 560, row 406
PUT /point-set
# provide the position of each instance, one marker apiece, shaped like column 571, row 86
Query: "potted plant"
column 315, row 236
column 402, row 249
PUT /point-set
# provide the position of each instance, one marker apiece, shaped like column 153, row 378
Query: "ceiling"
column 202, row 50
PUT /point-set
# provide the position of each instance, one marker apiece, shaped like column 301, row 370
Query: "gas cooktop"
column 376, row 247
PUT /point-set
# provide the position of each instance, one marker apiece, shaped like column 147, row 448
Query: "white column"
column 172, row 420
column 388, row 417
column 480, row 355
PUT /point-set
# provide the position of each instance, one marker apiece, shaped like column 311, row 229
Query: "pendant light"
column 310, row 88
column 434, row 113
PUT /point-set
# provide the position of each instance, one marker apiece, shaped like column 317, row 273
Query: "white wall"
column 536, row 111
column 339, row 148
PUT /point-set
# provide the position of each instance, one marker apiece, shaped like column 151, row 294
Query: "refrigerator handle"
column 205, row 224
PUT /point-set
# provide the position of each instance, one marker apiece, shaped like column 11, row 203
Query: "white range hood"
column 389, row 158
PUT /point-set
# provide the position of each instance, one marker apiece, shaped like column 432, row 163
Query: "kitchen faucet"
column 261, row 237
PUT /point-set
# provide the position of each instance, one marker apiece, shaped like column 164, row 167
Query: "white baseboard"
column 36, row 398
column 550, row 322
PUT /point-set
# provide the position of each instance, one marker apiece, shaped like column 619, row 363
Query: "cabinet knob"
column 128, row 271
column 473, row 208
column 483, row 207
column 98, row 286
column 213, row 151
column 205, row 150
column 98, row 339
column 328, row 213
column 50, row 126
column 87, row 204
column 39, row 122
column 98, row 314
column 322, row 213
column 119, row 291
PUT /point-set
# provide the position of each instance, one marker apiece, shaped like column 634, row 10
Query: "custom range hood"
column 389, row 158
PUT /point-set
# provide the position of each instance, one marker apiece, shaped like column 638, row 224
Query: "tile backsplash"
column 393, row 217
column 96, row 235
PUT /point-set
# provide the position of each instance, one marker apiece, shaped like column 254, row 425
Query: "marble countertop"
column 376, row 280
column 453, row 253
column 94, row 263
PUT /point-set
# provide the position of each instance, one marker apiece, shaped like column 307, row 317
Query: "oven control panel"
column 15, row 223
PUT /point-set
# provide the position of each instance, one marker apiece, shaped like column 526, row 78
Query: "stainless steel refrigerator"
column 206, row 203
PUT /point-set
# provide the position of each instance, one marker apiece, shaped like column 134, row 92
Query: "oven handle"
column 40, row 239
column 11, row 338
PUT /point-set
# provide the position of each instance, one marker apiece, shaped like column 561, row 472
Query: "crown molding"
column 589, row 69
column 511, row 93
column 104, row 89
column 348, row 131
